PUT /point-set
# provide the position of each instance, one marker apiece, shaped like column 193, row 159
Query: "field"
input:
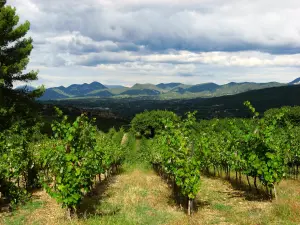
column 169, row 170
column 139, row 196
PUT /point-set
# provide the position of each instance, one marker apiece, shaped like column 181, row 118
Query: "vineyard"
column 164, row 169
column 262, row 149
column 67, row 165
column 255, row 154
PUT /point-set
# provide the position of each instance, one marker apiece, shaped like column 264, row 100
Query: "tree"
column 149, row 123
column 15, row 49
column 18, row 110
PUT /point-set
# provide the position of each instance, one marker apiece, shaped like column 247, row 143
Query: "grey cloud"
column 105, row 58
column 182, row 74
column 115, row 38
column 193, row 26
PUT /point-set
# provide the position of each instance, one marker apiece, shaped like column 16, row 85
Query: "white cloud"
column 163, row 40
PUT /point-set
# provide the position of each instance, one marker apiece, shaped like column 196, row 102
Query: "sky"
column 154, row 41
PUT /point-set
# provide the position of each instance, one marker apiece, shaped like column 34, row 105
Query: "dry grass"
column 139, row 196
column 220, row 203
column 50, row 213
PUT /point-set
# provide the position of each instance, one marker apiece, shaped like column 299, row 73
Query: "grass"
column 21, row 215
column 139, row 196
column 133, row 199
column 222, row 207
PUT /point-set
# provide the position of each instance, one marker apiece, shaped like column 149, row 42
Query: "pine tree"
column 14, row 47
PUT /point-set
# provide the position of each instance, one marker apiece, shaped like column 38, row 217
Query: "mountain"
column 211, row 87
column 168, row 86
column 118, row 91
column 179, row 90
column 207, row 108
column 159, row 91
column 137, row 92
column 75, row 90
column 114, row 86
column 296, row 81
column 100, row 93
column 83, row 89
column 143, row 89
column 54, row 94
column 236, row 88
column 262, row 99
column 146, row 86
column 27, row 88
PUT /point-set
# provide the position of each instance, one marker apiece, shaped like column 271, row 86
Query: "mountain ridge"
column 170, row 90
column 296, row 81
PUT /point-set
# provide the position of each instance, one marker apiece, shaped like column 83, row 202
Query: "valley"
column 207, row 108
column 162, row 91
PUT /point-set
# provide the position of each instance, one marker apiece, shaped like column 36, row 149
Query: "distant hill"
column 168, row 86
column 207, row 108
column 100, row 93
column 161, row 91
column 262, row 100
column 236, row 88
column 83, row 89
column 179, row 90
column 114, row 86
column 211, row 87
column 296, row 81
column 26, row 88
column 74, row 90
column 118, row 91
column 146, row 86
column 54, row 93
column 142, row 90
column 137, row 92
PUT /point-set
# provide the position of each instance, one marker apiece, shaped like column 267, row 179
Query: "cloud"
column 120, row 36
column 242, row 59
column 209, row 25
column 185, row 74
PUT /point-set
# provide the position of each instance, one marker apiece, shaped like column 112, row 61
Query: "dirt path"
column 139, row 196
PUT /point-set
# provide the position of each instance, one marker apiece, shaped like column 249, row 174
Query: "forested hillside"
column 207, row 108
column 160, row 91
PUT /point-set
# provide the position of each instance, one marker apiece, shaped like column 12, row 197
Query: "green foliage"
column 261, row 148
column 255, row 147
column 76, row 154
column 292, row 115
column 17, row 168
column 149, row 123
column 69, row 160
column 14, row 48
column 173, row 154
column 179, row 158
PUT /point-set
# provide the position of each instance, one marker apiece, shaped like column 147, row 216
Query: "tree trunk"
column 174, row 189
column 255, row 185
column 190, row 204
column 268, row 192
column 70, row 213
column 248, row 182
column 275, row 192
